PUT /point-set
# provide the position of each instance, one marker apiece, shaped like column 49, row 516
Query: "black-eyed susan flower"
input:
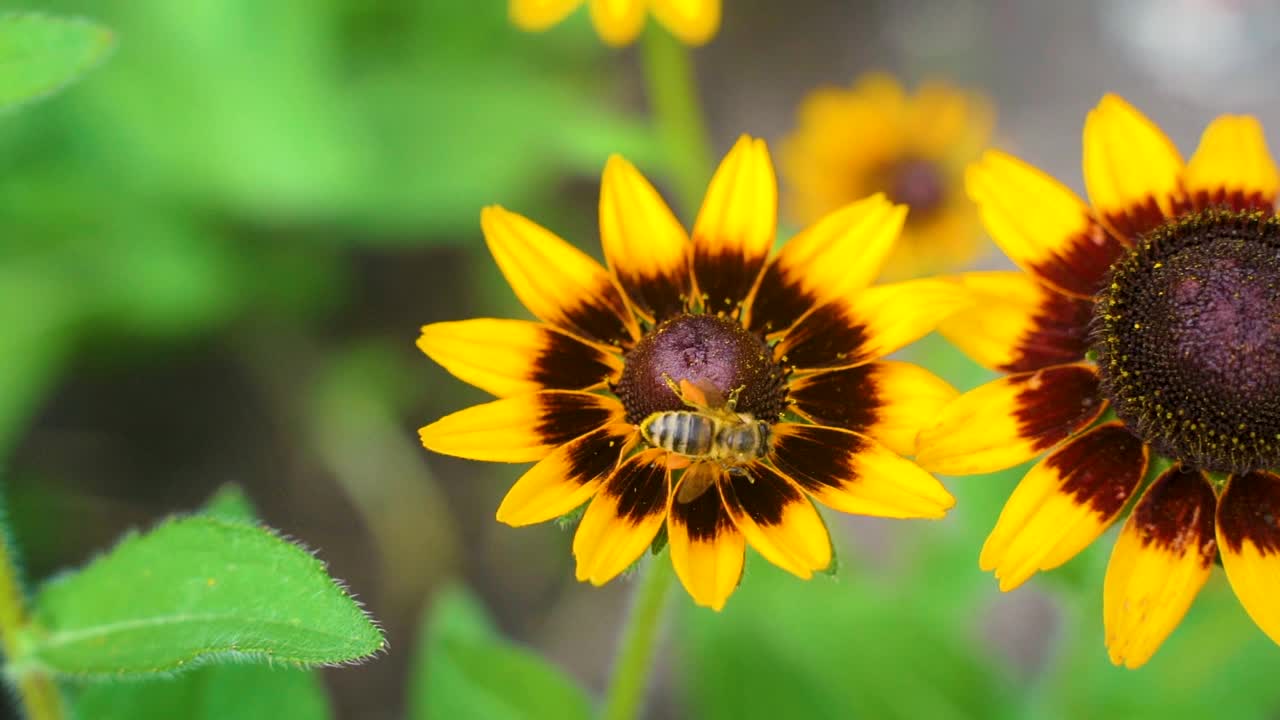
column 874, row 137
column 1144, row 331
column 789, row 345
column 618, row 22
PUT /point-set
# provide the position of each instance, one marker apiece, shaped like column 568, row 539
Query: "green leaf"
column 230, row 503
column 464, row 669
column 192, row 590
column 40, row 54
column 244, row 692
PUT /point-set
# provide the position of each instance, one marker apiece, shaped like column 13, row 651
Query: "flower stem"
column 677, row 114
column 36, row 690
column 631, row 667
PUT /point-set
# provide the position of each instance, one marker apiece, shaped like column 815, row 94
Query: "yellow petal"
column 521, row 428
column 1016, row 324
column 887, row 400
column 1040, row 224
column 853, row 473
column 538, row 15
column 706, row 547
column 874, row 323
column 623, row 519
column 513, row 357
column 1249, row 540
column 556, row 281
column 1010, row 420
column 1160, row 562
column 644, row 244
column 947, row 122
column 1064, row 503
column 1131, row 168
column 736, row 226
column 562, row 481
column 618, row 22
column 694, row 22
column 1232, row 166
column 833, row 260
column 777, row 520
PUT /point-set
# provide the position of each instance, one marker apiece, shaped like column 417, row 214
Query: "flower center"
column 917, row 184
column 714, row 354
column 1188, row 340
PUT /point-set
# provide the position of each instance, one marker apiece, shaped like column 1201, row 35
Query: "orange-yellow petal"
column 1064, row 503
column 618, row 22
column 1249, row 540
column 694, row 22
column 777, row 519
column 1160, row 562
column 523, row 428
column 736, row 226
column 1010, row 420
column 1232, row 166
column 625, row 516
column 833, row 260
column 556, row 281
column 644, row 244
column 512, row 357
column 538, row 15
column 855, row 474
column 1016, row 324
column 562, row 481
column 707, row 549
column 1131, row 168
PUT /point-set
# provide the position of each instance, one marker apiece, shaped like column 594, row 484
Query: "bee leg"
column 732, row 402
column 679, row 392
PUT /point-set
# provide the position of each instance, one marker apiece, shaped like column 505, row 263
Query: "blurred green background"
column 218, row 247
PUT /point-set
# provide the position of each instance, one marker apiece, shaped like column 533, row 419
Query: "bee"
column 712, row 430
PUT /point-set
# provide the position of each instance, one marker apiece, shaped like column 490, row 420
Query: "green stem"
column 677, row 114
column 630, row 678
column 37, row 691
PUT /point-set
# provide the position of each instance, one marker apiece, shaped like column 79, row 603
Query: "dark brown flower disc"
column 1187, row 333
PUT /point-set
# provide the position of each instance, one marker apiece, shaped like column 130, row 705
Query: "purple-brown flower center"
column 1188, row 340
column 918, row 184
column 715, row 354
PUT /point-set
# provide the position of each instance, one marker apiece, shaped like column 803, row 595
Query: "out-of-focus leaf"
column 464, row 669
column 243, row 692
column 40, row 54
column 230, row 503
column 198, row 589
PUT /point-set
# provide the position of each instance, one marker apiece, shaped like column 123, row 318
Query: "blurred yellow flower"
column 618, row 22
column 873, row 137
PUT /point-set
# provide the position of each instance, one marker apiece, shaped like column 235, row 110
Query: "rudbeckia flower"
column 874, row 137
column 1141, row 333
column 618, row 22
column 608, row 390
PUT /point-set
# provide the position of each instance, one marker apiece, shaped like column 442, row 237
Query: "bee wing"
column 696, row 480
column 702, row 393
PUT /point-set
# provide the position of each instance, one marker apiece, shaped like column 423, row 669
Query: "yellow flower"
column 610, row 393
column 618, row 22
column 874, row 138
column 1142, row 333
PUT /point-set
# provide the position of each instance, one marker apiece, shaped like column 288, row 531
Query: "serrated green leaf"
column 464, row 669
column 192, row 590
column 243, row 692
column 40, row 54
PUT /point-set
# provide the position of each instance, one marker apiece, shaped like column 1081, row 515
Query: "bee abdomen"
column 686, row 433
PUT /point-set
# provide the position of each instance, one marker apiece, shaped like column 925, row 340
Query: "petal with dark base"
column 887, row 399
column 522, row 428
column 564, row 480
column 1017, row 324
column 1131, row 168
column 624, row 517
column 735, row 227
column 870, row 325
column 556, row 281
column 855, row 474
column 1064, row 503
column 777, row 519
column 1040, row 224
column 1249, row 540
column 644, row 244
column 1160, row 562
column 834, row 259
column 511, row 357
column 1011, row 420
column 1232, row 167
column 706, row 547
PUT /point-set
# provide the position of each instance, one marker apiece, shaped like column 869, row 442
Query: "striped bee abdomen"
column 681, row 431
